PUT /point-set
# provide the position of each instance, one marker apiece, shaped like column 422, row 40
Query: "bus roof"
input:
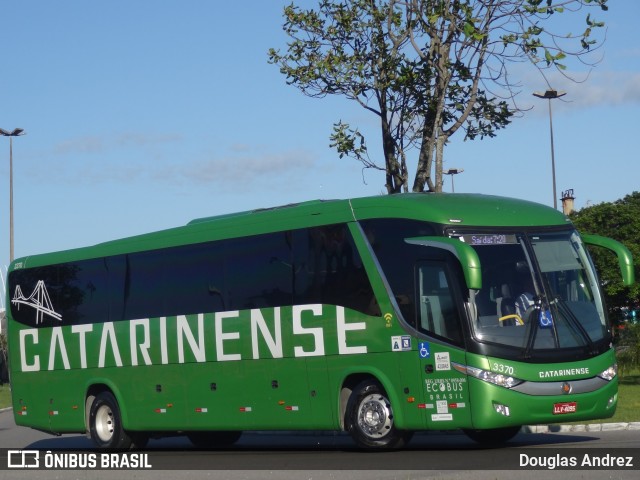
column 466, row 209
column 445, row 209
column 459, row 209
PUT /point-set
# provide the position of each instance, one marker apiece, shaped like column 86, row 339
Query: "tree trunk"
column 395, row 179
column 425, row 162
column 439, row 161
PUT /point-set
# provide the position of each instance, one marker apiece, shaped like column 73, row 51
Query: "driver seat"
column 506, row 305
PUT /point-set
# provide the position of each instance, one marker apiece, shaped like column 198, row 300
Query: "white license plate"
column 565, row 407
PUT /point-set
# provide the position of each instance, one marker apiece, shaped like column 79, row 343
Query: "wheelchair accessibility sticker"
column 545, row 319
column 423, row 350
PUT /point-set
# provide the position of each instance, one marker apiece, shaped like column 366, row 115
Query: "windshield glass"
column 539, row 292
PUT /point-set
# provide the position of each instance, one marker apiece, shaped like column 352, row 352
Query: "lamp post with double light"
column 551, row 95
column 452, row 172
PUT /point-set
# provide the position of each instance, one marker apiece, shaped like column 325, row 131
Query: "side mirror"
column 625, row 258
column 467, row 256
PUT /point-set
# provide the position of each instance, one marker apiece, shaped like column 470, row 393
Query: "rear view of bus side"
column 379, row 316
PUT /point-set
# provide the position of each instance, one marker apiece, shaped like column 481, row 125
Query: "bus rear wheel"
column 493, row 436
column 105, row 423
column 369, row 418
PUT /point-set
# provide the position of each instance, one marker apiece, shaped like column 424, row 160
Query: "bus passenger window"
column 437, row 314
column 258, row 272
column 328, row 269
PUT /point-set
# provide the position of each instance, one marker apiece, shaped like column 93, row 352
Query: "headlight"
column 610, row 373
column 495, row 378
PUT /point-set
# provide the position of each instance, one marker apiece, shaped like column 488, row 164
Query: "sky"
column 142, row 115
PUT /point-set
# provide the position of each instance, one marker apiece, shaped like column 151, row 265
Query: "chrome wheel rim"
column 105, row 424
column 374, row 416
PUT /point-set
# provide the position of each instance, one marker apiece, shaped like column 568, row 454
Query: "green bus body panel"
column 232, row 370
column 233, row 378
column 535, row 409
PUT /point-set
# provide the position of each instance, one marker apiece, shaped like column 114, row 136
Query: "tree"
column 619, row 220
column 426, row 68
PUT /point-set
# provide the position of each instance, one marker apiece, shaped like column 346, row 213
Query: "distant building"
column 568, row 201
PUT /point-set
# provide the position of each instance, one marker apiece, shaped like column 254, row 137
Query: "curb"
column 591, row 427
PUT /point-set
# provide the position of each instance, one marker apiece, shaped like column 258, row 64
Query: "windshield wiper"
column 532, row 322
column 573, row 321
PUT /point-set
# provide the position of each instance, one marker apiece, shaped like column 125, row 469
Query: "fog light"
column 612, row 401
column 501, row 409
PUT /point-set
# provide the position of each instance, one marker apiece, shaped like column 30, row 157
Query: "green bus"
column 377, row 316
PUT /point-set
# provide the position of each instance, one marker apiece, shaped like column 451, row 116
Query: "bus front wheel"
column 369, row 418
column 105, row 423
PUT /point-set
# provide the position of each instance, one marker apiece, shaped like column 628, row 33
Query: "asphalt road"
column 325, row 456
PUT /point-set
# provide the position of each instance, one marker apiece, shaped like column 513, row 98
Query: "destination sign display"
column 489, row 239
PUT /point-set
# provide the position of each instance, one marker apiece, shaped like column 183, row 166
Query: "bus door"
column 441, row 348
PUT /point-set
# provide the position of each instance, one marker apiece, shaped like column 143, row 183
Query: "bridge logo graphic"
column 39, row 300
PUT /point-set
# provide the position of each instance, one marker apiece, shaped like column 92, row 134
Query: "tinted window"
column 174, row 281
column 397, row 258
column 31, row 288
column 144, row 284
column 438, row 314
column 328, row 269
column 258, row 271
column 317, row 265
column 82, row 291
column 52, row 295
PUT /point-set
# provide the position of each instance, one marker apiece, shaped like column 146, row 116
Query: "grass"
column 5, row 396
column 628, row 400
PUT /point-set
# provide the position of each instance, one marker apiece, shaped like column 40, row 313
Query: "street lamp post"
column 15, row 133
column 550, row 95
column 452, row 172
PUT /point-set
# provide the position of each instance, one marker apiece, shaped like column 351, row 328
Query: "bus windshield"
column 539, row 292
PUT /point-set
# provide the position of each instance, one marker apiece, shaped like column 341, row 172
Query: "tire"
column 214, row 439
column 493, row 436
column 105, row 423
column 369, row 418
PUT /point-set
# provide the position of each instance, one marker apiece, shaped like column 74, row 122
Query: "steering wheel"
column 517, row 318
